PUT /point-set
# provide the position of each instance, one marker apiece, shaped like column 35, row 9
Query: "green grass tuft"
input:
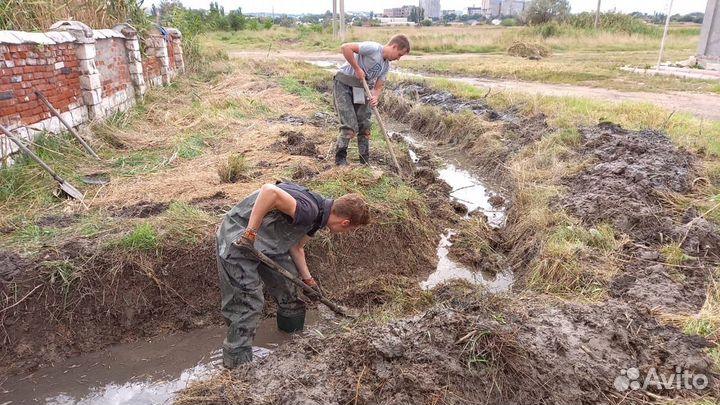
column 143, row 238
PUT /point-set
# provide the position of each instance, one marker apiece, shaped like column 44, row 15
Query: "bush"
column 614, row 22
column 234, row 169
column 508, row 22
column 548, row 30
column 544, row 11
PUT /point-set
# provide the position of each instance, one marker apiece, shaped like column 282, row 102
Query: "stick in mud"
column 282, row 271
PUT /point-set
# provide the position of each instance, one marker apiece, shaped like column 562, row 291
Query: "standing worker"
column 369, row 61
column 277, row 220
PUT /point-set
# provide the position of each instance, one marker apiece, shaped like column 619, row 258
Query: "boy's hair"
column 401, row 41
column 353, row 207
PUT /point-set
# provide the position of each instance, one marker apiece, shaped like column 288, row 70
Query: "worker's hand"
column 310, row 282
column 374, row 101
column 247, row 240
column 360, row 74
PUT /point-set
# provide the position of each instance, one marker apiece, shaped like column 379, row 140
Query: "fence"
column 86, row 74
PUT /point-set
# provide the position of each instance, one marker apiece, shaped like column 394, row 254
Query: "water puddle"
column 449, row 270
column 136, row 373
column 470, row 191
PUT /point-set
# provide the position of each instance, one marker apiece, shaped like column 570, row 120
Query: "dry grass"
column 707, row 321
column 23, row 15
column 222, row 388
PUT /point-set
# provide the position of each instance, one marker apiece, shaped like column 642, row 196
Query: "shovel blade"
column 68, row 189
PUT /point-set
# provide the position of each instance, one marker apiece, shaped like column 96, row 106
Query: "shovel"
column 251, row 251
column 382, row 128
column 68, row 126
column 64, row 186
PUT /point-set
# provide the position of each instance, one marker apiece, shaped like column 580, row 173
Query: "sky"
column 317, row 7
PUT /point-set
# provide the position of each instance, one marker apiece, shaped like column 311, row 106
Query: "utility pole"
column 597, row 15
column 334, row 19
column 667, row 25
column 342, row 20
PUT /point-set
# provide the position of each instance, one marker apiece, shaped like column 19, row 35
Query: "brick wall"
column 111, row 60
column 50, row 69
column 86, row 74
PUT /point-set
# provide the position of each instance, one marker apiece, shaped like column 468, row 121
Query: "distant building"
column 399, row 12
column 389, row 21
column 496, row 8
column 475, row 11
column 431, row 7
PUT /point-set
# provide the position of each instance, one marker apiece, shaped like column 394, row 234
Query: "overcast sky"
column 314, row 6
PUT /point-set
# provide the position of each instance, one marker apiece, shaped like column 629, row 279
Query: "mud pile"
column 624, row 186
column 295, row 143
column 464, row 351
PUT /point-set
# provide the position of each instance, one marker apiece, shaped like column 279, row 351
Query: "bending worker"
column 278, row 220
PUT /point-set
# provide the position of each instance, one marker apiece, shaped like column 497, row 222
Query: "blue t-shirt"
column 311, row 209
column 371, row 61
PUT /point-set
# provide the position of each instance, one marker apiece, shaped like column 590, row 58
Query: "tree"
column 237, row 20
column 544, row 11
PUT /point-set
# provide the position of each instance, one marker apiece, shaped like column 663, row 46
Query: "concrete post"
column 90, row 83
column 132, row 45
column 709, row 48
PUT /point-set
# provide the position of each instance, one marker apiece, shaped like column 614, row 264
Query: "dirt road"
column 700, row 104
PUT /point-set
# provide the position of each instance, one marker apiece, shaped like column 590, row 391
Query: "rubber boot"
column 291, row 321
column 235, row 357
column 341, row 156
column 364, row 147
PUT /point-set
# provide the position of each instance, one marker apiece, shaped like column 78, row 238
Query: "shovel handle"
column 31, row 154
column 55, row 112
column 279, row 269
column 382, row 128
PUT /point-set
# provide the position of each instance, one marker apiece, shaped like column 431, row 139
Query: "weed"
column 192, row 146
column 143, row 238
column 235, row 169
column 186, row 224
column 674, row 254
column 64, row 272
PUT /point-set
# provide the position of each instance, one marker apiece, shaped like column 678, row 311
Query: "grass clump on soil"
column 674, row 254
column 186, row 225
column 574, row 259
column 234, row 169
column 144, row 238
column 388, row 195
column 63, row 272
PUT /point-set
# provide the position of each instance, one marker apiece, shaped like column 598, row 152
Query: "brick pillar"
column 132, row 44
column 176, row 38
column 90, row 83
column 158, row 47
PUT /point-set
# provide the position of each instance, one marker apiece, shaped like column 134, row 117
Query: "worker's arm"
column 271, row 197
column 375, row 99
column 297, row 253
column 349, row 50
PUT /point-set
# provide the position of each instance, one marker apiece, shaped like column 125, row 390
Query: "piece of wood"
column 68, row 126
column 382, row 128
column 247, row 249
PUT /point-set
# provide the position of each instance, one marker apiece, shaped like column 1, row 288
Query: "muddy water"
column 472, row 192
column 136, row 373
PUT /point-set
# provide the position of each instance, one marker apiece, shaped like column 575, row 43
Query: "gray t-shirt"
column 370, row 59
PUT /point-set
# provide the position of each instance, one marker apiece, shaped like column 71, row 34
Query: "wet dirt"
column 295, row 143
column 478, row 350
column 319, row 119
column 217, row 204
column 623, row 185
column 58, row 221
column 10, row 265
column 142, row 209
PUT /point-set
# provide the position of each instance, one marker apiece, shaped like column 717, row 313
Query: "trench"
column 152, row 371
column 147, row 372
